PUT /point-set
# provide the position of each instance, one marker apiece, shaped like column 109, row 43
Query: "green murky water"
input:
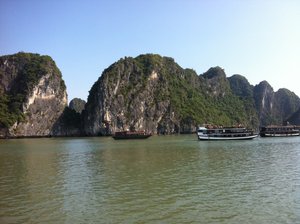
column 164, row 179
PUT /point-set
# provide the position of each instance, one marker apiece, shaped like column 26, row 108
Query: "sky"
column 257, row 39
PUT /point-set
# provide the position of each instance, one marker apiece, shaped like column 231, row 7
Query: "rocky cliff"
column 294, row 118
column 70, row 122
column 77, row 104
column 155, row 94
column 245, row 91
column 274, row 107
column 149, row 92
column 270, row 107
column 33, row 95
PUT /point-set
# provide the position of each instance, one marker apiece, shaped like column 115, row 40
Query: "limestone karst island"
column 149, row 92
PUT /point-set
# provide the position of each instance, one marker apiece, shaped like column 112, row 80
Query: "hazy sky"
column 259, row 39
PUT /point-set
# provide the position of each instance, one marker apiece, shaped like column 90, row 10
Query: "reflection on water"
column 164, row 179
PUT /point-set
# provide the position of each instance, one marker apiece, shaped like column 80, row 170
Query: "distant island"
column 149, row 92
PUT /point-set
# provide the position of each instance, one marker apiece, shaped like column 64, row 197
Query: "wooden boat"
column 225, row 133
column 279, row 131
column 131, row 135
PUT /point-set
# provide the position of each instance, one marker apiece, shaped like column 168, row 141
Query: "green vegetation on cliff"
column 19, row 74
column 168, row 94
column 148, row 92
column 77, row 104
column 151, row 91
column 242, row 88
column 10, row 110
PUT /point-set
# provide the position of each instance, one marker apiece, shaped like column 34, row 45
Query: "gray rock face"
column 274, row 107
column 41, row 94
column 77, row 105
column 294, row 119
column 149, row 92
column 43, row 107
column 126, row 97
column 271, row 107
column 155, row 94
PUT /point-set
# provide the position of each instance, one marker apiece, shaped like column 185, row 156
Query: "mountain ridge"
column 148, row 92
column 186, row 98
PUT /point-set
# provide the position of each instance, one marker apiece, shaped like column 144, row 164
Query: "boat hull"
column 131, row 137
column 213, row 138
column 279, row 134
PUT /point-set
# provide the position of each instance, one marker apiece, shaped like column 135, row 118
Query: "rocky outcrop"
column 70, row 122
column 274, row 107
column 245, row 91
column 294, row 119
column 215, row 82
column 149, row 92
column 269, row 107
column 286, row 103
column 155, row 94
column 240, row 86
column 123, row 98
column 77, row 104
column 33, row 95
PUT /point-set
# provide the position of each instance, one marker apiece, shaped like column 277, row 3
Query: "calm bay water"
column 164, row 179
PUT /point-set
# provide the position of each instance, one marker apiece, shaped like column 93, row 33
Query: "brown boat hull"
column 123, row 135
column 131, row 137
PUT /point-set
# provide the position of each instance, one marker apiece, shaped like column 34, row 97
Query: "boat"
column 225, row 133
column 131, row 135
column 279, row 131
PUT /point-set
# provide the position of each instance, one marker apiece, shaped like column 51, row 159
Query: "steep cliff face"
column 149, row 92
column 274, row 107
column 216, row 83
column 70, row 122
column 33, row 95
column 123, row 97
column 155, row 94
column 240, row 86
column 286, row 103
column 264, row 100
column 294, row 119
column 77, row 104
column 232, row 108
column 245, row 91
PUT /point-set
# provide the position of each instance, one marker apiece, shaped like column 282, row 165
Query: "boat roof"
column 220, row 128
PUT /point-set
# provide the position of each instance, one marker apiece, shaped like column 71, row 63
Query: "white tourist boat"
column 225, row 133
